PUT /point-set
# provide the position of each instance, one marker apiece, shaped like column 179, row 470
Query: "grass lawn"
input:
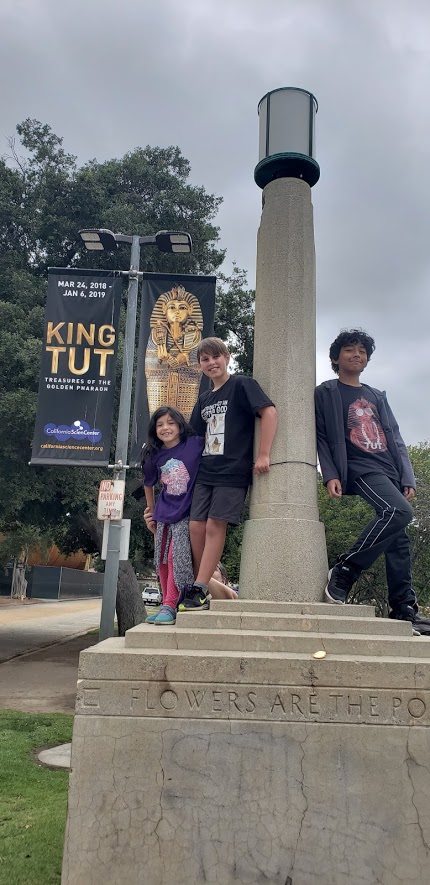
column 33, row 799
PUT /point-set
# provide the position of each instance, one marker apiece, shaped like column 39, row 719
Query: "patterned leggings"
column 165, row 573
column 172, row 559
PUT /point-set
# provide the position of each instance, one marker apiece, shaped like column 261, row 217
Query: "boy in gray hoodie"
column 361, row 452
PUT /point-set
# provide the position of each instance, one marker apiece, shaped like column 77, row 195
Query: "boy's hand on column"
column 262, row 465
column 334, row 488
column 149, row 520
column 408, row 492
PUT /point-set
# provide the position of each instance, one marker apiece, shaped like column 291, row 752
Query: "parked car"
column 152, row 596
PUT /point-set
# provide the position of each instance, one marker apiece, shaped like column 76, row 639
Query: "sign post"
column 120, row 467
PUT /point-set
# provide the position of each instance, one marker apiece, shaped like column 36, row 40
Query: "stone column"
column 284, row 552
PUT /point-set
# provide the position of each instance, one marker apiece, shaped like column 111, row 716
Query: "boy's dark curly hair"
column 350, row 336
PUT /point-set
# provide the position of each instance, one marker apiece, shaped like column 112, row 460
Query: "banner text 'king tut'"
column 76, row 389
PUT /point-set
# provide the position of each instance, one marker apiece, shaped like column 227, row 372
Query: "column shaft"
column 284, row 552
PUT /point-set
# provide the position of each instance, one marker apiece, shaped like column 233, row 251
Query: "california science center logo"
column 79, row 430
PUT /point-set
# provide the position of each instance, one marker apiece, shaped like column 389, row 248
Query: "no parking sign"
column 111, row 499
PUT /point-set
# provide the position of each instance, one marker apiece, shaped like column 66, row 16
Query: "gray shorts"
column 217, row 502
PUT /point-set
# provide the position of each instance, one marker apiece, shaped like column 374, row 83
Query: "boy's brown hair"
column 212, row 346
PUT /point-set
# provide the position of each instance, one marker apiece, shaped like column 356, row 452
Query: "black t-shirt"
column 366, row 443
column 226, row 418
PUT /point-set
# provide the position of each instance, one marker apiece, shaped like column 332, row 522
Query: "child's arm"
column 149, row 510
column 196, row 420
column 149, row 495
column 268, row 423
column 328, row 469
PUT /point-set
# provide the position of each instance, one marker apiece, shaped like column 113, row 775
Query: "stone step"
column 297, row 623
column 299, row 608
column 146, row 636
column 112, row 660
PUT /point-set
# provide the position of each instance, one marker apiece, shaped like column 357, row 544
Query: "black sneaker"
column 408, row 613
column 194, row 598
column 340, row 580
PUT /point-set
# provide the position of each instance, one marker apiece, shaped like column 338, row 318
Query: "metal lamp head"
column 173, row 241
column 99, row 240
column 287, row 136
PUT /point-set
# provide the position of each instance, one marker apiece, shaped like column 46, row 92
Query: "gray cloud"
column 109, row 77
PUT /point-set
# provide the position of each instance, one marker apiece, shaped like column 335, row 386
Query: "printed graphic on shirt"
column 214, row 415
column 365, row 427
column 175, row 476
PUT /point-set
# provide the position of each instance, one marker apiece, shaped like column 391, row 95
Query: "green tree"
column 419, row 530
column 234, row 317
column 17, row 546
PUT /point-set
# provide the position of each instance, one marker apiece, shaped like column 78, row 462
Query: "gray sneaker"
column 340, row 580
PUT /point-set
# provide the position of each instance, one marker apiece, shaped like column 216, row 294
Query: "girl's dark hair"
column 223, row 572
column 346, row 337
column 153, row 444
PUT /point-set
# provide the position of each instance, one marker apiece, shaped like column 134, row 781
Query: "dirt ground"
column 6, row 601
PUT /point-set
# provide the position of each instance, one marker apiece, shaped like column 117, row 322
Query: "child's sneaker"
column 150, row 619
column 340, row 580
column 193, row 598
column 166, row 616
column 408, row 613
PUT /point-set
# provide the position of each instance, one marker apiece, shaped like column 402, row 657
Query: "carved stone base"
column 201, row 754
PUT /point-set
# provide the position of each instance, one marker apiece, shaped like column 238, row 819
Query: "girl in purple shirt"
column 171, row 457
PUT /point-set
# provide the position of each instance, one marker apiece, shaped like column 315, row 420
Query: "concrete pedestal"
column 221, row 750
column 284, row 542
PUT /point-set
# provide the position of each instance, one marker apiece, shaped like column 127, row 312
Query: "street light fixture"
column 287, row 136
column 102, row 239
column 98, row 240
column 173, row 241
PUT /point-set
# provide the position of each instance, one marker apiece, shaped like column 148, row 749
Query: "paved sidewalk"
column 24, row 629
column 43, row 681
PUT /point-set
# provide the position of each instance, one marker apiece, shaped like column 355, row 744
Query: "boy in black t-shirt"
column 225, row 416
column 362, row 453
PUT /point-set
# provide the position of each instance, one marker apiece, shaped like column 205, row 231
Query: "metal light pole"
column 284, row 551
column 98, row 240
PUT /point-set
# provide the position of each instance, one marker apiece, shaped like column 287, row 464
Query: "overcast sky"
column 111, row 76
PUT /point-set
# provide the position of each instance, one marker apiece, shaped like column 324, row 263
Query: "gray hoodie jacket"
column 331, row 435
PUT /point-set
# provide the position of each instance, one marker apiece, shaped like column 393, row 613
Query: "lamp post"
column 99, row 240
column 287, row 136
column 284, row 552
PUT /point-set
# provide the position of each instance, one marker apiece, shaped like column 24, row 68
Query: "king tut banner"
column 177, row 313
column 77, row 379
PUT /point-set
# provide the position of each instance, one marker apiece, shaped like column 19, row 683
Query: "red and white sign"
column 111, row 499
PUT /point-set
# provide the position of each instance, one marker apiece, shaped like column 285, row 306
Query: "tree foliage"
column 234, row 318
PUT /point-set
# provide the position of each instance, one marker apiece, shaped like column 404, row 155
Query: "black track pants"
column 385, row 534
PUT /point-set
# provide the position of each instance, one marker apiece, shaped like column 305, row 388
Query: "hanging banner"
column 77, row 379
column 177, row 312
